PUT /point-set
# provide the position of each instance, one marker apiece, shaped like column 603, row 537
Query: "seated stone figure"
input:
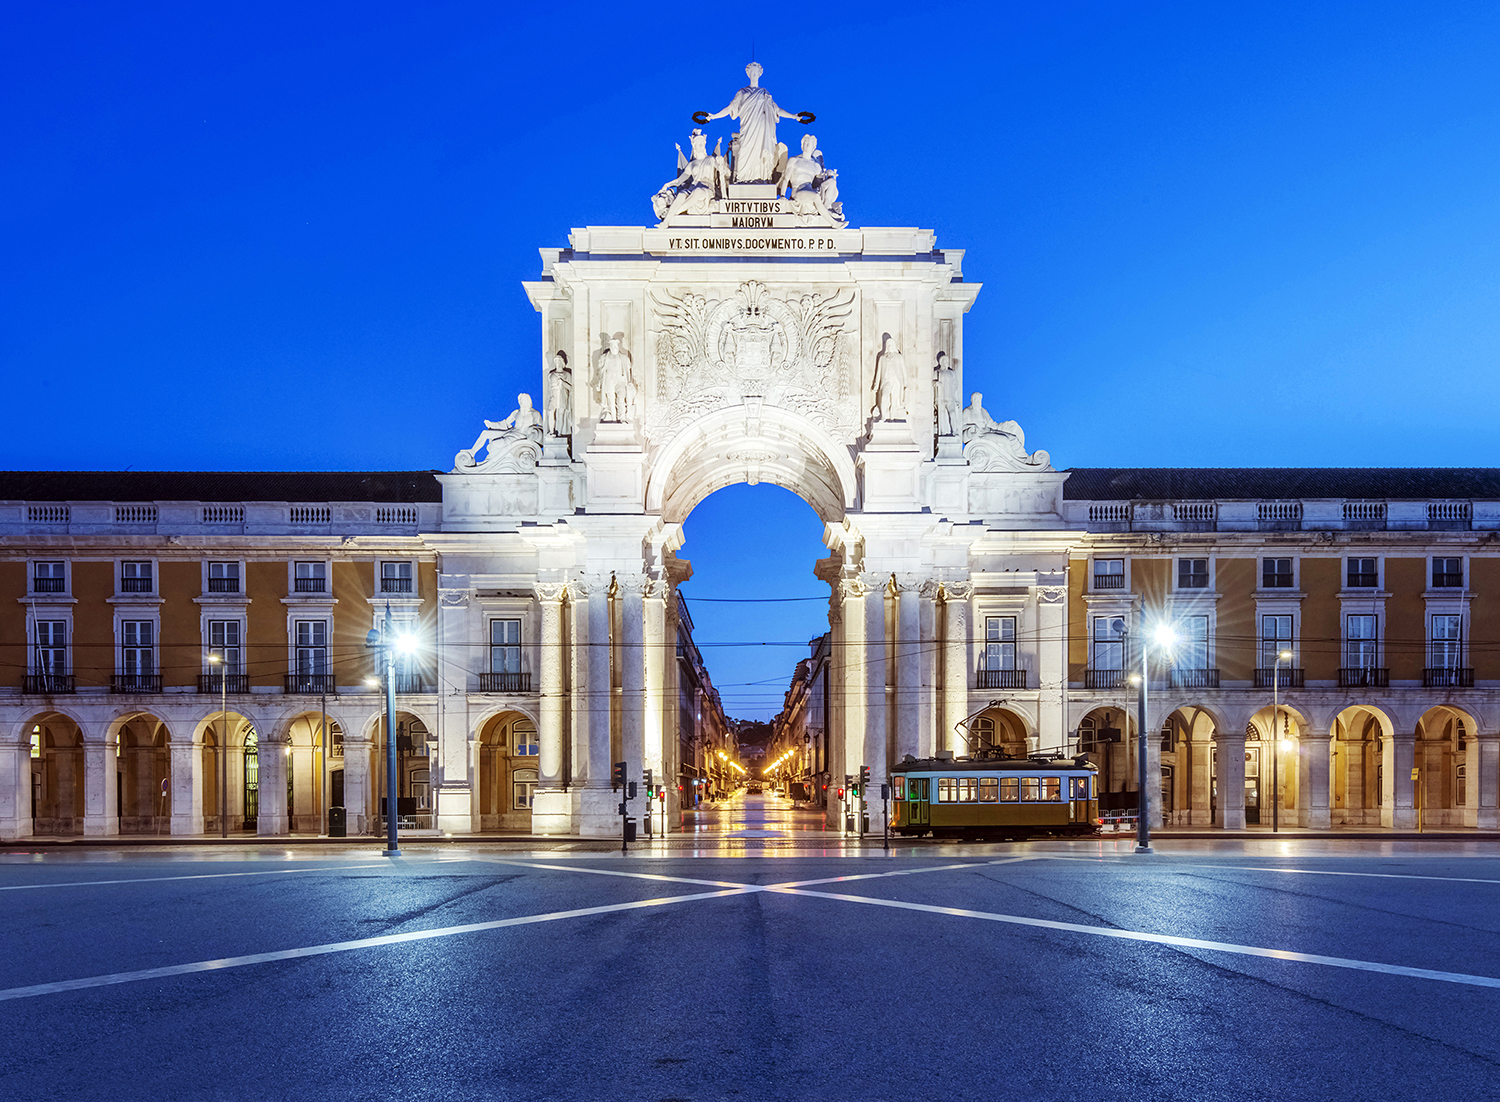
column 698, row 181
column 991, row 445
column 512, row 443
column 814, row 187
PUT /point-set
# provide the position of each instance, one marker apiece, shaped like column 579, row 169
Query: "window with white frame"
column 1276, row 573
column 505, row 646
column 135, row 577
column 1000, row 643
column 1109, row 643
column 49, row 577
column 1360, row 644
column 1192, row 643
column 420, row 791
column 1192, row 573
column 1445, row 644
column 310, row 577
column 1275, row 637
column 51, row 652
column 523, row 740
column 1362, row 574
column 311, row 657
column 1447, row 573
column 224, row 644
column 1109, row 573
column 523, row 788
column 137, row 647
column 395, row 577
column 223, row 577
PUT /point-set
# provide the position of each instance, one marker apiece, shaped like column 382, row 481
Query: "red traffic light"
column 841, row 793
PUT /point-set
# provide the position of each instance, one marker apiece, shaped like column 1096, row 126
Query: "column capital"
column 910, row 583
column 550, row 592
column 876, row 580
column 590, row 583
column 632, row 584
column 958, row 591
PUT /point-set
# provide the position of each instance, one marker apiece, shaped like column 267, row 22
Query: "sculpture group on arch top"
column 784, row 348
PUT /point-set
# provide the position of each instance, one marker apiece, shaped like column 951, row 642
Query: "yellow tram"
column 994, row 796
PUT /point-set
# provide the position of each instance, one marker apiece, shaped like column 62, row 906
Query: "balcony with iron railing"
column 309, row 684
column 1364, row 677
column 1109, row 581
column 1105, row 679
column 408, row 681
column 505, row 682
column 135, row 585
column 1002, row 679
column 225, row 683
column 310, row 585
column 223, row 585
column 135, row 683
column 47, row 684
column 395, row 585
column 1194, row 678
column 1447, row 677
column 1287, row 677
column 48, row 585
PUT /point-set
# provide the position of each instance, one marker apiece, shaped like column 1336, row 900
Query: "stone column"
column 1396, row 809
column 357, row 783
column 270, row 811
column 1052, row 665
column 908, row 670
column 630, row 591
column 658, row 705
column 549, row 811
column 956, row 663
column 597, row 816
column 101, row 812
column 930, row 660
column 1314, row 779
column 15, row 789
column 459, row 650
column 877, row 691
column 1200, row 780
column 854, row 676
column 1483, row 782
column 1231, row 746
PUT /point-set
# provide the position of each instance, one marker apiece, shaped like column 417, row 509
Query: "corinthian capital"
column 958, row 591
column 909, row 583
column 633, row 585
column 549, row 591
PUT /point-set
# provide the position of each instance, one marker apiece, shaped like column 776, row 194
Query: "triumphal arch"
column 751, row 332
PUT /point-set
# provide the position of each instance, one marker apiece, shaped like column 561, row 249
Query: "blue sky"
column 265, row 236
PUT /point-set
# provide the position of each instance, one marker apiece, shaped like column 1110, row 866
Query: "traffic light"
column 864, row 778
column 617, row 778
column 630, row 790
column 650, row 788
column 841, row 795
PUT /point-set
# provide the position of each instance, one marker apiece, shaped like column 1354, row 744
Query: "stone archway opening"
column 142, row 775
column 56, row 761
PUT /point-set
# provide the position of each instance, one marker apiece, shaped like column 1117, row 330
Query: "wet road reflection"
column 745, row 815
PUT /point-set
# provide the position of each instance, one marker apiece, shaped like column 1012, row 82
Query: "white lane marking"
column 1274, row 868
column 899, row 872
column 1160, row 939
column 374, row 863
column 659, row 877
column 345, row 946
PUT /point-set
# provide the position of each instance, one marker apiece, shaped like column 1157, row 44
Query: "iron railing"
column 1447, row 677
column 48, row 585
column 1364, row 677
column 135, row 683
column 1002, row 679
column 1104, row 679
column 47, row 683
column 395, row 585
column 1109, row 581
column 1195, row 679
column 223, row 585
column 309, row 684
column 310, row 585
column 135, row 585
column 1288, row 677
column 505, row 682
column 223, row 682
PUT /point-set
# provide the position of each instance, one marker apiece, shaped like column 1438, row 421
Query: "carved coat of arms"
column 792, row 353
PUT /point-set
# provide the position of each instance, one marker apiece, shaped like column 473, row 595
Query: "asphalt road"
column 1044, row 971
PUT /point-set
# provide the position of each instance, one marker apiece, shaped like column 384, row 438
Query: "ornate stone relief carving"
column 991, row 445
column 958, row 591
column 512, row 445
column 550, row 591
column 930, row 589
column 453, row 598
column 1052, row 594
column 716, row 353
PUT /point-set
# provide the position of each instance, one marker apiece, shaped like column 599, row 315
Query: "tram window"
column 1010, row 790
column 947, row 790
column 1031, row 790
column 1051, row 789
column 989, row 789
column 968, row 790
column 1078, row 788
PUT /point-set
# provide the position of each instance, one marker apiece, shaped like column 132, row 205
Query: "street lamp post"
column 218, row 660
column 1282, row 656
column 384, row 640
